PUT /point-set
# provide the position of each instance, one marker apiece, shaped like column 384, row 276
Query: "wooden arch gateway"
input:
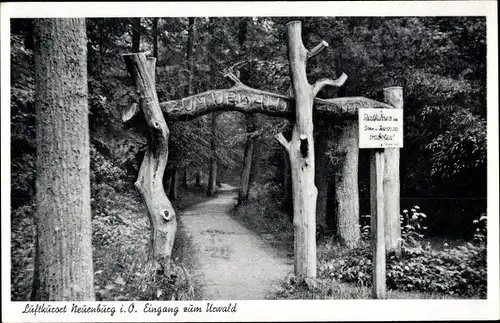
column 298, row 107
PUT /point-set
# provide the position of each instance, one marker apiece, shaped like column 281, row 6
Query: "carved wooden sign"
column 248, row 100
column 239, row 98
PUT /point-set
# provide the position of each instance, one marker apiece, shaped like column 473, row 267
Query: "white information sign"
column 380, row 128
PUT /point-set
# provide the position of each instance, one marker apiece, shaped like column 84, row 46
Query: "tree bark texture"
column 150, row 180
column 346, row 194
column 136, row 35
column 394, row 97
column 212, row 173
column 249, row 121
column 301, row 153
column 322, row 178
column 63, row 269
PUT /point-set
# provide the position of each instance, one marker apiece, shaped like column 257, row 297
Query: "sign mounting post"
column 382, row 131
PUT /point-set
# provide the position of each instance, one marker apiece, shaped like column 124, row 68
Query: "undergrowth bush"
column 460, row 270
column 22, row 250
column 122, row 268
column 425, row 269
column 120, row 242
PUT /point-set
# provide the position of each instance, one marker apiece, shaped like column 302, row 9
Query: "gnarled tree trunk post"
column 149, row 182
column 301, row 152
column 394, row 97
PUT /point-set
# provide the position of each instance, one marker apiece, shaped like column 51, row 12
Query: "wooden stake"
column 394, row 97
column 377, row 168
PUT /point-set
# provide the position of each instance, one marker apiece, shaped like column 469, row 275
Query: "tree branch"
column 234, row 78
column 282, row 140
column 323, row 82
column 317, row 49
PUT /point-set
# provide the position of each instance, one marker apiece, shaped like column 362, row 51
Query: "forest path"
column 232, row 262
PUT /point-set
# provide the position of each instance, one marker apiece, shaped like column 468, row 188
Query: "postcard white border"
column 318, row 310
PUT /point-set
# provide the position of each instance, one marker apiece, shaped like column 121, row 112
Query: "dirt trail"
column 233, row 263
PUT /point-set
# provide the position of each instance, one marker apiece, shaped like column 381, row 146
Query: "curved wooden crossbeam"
column 346, row 106
column 238, row 98
column 246, row 99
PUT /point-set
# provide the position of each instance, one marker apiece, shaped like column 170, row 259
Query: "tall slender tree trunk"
column 247, row 162
column 219, row 176
column 212, row 173
column 257, row 153
column 190, row 57
column 346, row 197
column 322, row 179
column 167, row 181
column 174, row 185
column 346, row 193
column 63, row 270
column 136, row 35
column 249, row 121
column 198, row 178
column 190, row 53
column 155, row 37
column 185, row 178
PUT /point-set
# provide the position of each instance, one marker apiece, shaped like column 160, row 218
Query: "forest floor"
column 232, row 262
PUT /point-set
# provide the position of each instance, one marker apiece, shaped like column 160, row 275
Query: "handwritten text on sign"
column 380, row 128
